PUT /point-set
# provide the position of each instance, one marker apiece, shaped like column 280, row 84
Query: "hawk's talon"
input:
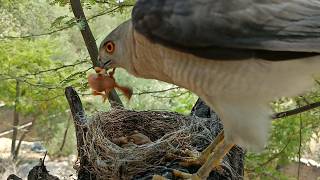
column 181, row 174
column 218, row 169
column 210, row 159
column 200, row 160
column 158, row 177
column 190, row 153
column 191, row 162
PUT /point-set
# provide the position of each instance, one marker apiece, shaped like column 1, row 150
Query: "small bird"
column 237, row 55
column 100, row 83
column 136, row 138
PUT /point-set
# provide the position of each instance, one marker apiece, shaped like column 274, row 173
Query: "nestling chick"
column 136, row 138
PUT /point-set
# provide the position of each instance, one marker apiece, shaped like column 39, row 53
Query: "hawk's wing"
column 276, row 25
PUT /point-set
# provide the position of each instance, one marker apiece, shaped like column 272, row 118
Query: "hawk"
column 237, row 55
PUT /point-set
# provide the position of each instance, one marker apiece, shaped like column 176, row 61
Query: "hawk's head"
column 115, row 49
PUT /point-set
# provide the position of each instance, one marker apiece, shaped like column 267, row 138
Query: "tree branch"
column 90, row 43
column 274, row 156
column 153, row 92
column 296, row 111
column 54, row 69
column 171, row 97
column 85, row 31
column 15, row 122
column 65, row 134
column 22, row 138
column 9, row 77
column 114, row 4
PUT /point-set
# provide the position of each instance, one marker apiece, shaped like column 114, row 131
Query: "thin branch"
column 39, row 85
column 36, row 35
column 42, row 71
column 153, row 92
column 148, row 92
column 75, row 74
column 22, row 138
column 65, row 134
column 19, row 127
column 275, row 155
column 66, row 27
column 300, row 142
column 114, row 4
column 170, row 97
column 49, row 98
column 54, row 69
column 296, row 111
column 45, row 86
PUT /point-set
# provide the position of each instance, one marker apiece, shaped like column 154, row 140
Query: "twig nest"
column 121, row 143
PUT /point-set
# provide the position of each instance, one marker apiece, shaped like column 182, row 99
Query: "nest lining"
column 170, row 133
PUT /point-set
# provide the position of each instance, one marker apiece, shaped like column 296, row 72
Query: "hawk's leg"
column 214, row 159
column 210, row 159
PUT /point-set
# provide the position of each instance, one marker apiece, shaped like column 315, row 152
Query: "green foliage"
column 31, row 62
column 23, row 61
column 284, row 143
column 54, row 145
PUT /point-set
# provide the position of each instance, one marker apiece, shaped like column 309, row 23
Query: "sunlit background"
column 42, row 52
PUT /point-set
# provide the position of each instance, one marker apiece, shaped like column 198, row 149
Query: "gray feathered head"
column 115, row 50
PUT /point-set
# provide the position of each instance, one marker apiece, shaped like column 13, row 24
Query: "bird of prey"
column 237, row 55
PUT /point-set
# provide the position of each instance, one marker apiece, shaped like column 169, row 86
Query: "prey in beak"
column 102, row 83
column 100, row 70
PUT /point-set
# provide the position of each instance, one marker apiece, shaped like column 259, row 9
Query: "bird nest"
column 161, row 138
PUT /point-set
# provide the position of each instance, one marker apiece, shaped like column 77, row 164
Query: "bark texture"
column 78, row 114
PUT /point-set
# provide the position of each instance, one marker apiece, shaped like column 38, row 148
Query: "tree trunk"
column 91, row 44
column 15, row 120
column 78, row 114
column 16, row 153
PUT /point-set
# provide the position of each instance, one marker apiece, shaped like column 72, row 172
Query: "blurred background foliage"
column 42, row 48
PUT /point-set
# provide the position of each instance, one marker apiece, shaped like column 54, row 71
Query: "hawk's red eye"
column 110, row 47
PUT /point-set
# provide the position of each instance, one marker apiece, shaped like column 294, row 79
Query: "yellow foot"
column 218, row 169
column 178, row 174
column 157, row 177
column 214, row 159
column 200, row 160
column 210, row 159
column 184, row 175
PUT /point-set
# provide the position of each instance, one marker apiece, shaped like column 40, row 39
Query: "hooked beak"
column 105, row 65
